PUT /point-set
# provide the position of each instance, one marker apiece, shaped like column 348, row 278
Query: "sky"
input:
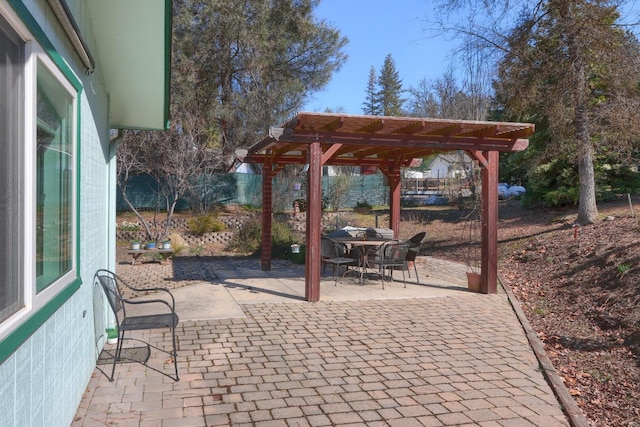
column 376, row 28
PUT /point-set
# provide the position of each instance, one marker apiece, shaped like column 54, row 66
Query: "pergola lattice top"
column 382, row 140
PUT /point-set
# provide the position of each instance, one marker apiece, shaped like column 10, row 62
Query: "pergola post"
column 314, row 223
column 267, row 199
column 393, row 175
column 489, row 236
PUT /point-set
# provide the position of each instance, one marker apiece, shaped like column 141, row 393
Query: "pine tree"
column 390, row 89
column 371, row 105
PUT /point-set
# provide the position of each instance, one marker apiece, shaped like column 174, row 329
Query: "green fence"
column 246, row 189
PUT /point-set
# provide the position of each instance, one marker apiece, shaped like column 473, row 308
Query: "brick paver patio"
column 455, row 360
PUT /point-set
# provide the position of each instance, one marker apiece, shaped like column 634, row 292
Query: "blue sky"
column 376, row 28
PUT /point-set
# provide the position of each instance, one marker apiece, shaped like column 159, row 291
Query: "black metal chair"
column 415, row 244
column 392, row 256
column 335, row 254
column 164, row 316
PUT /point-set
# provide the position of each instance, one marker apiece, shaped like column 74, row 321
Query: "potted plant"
column 135, row 245
column 166, row 244
column 151, row 245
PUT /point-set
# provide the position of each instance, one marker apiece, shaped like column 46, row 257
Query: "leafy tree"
column 570, row 62
column 239, row 66
column 371, row 105
column 390, row 89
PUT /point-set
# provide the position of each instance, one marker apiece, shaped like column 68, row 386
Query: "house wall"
column 42, row 382
column 439, row 168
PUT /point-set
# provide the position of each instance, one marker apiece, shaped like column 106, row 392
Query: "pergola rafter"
column 389, row 143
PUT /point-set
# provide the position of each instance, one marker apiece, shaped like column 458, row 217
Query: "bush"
column 203, row 224
column 249, row 239
column 129, row 226
column 362, row 208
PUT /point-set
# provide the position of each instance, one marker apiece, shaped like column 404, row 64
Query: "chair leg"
column 416, row 270
column 175, row 352
column 117, row 353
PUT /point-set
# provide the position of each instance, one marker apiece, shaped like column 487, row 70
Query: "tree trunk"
column 587, row 209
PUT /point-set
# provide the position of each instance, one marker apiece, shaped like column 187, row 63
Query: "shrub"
column 177, row 243
column 203, row 224
column 248, row 239
column 362, row 208
column 129, row 226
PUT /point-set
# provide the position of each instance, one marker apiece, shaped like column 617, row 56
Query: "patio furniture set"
column 370, row 250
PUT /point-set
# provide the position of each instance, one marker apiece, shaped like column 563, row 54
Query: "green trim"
column 167, row 60
column 14, row 340
column 43, row 40
column 37, row 318
column 78, row 180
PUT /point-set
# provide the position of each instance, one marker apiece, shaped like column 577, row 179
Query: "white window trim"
column 34, row 301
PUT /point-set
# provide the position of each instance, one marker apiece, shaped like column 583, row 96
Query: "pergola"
column 390, row 143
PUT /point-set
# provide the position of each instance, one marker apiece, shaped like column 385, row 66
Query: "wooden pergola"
column 390, row 143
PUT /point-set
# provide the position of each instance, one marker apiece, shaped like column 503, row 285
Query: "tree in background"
column 371, row 104
column 173, row 168
column 390, row 89
column 568, row 63
column 577, row 69
column 238, row 67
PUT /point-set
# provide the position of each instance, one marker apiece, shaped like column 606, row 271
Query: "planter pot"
column 166, row 245
column 473, row 281
column 112, row 336
column 151, row 245
column 135, row 246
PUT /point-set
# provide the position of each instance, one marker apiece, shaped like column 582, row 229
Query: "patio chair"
column 415, row 244
column 335, row 254
column 392, row 256
column 163, row 315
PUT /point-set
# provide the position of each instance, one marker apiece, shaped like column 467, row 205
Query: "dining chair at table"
column 334, row 253
column 392, row 255
column 415, row 244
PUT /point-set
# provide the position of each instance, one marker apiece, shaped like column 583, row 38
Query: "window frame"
column 39, row 306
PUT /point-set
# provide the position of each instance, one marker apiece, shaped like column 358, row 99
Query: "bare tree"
column 175, row 162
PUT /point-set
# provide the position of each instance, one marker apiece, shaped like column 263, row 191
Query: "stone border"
column 569, row 406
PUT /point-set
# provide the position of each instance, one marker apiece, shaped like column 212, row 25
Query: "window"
column 38, row 172
column 11, row 132
column 54, row 174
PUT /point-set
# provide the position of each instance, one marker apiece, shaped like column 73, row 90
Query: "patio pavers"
column 457, row 359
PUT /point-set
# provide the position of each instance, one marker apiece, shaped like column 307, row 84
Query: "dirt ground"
column 579, row 287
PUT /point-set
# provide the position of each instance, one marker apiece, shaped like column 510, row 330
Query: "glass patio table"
column 364, row 247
